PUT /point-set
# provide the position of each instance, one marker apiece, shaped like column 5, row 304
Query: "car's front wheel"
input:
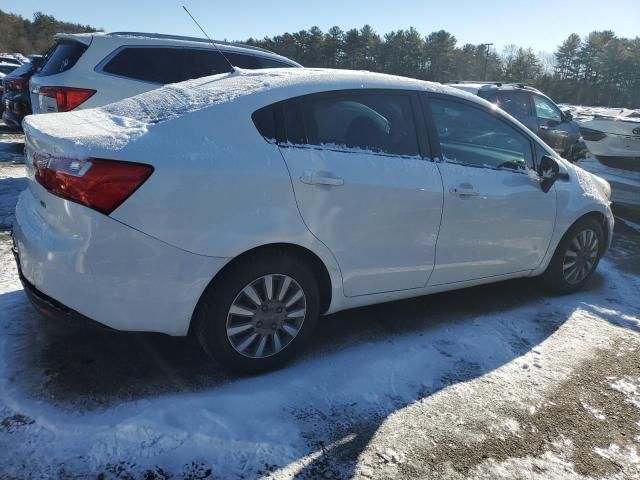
column 576, row 257
column 259, row 312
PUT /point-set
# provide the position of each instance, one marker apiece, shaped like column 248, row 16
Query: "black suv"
column 536, row 111
column 16, row 102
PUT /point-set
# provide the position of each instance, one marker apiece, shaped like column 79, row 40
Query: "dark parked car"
column 535, row 110
column 16, row 101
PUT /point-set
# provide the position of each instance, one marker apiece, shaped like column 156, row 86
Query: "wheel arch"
column 602, row 221
column 309, row 257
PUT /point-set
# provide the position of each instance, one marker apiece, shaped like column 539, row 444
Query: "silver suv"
column 91, row 70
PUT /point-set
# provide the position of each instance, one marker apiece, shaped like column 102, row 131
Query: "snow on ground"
column 500, row 381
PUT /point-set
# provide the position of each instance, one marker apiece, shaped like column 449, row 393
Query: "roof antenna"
column 233, row 69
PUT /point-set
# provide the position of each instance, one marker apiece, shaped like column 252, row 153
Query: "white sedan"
column 243, row 206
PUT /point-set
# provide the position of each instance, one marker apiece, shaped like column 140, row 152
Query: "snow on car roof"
column 114, row 125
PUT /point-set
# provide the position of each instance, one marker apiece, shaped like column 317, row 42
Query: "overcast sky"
column 541, row 25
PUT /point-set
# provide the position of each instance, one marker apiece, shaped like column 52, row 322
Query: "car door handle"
column 463, row 191
column 315, row 179
column 544, row 127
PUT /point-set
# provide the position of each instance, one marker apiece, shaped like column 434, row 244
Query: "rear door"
column 365, row 184
column 496, row 220
column 552, row 128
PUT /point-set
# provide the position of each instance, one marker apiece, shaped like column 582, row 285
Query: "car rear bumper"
column 47, row 306
column 107, row 271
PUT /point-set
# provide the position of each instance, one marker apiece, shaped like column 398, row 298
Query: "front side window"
column 515, row 102
column 475, row 137
column 375, row 122
column 546, row 109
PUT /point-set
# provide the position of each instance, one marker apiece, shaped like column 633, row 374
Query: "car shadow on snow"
column 465, row 333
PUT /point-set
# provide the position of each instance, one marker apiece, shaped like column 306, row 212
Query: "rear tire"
column 258, row 313
column 576, row 257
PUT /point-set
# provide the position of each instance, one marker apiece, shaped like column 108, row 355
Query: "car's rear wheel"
column 258, row 313
column 576, row 257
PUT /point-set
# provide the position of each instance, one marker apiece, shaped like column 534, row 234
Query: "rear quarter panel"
column 219, row 188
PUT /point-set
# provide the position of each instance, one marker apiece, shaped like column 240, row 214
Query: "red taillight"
column 67, row 98
column 100, row 184
column 16, row 84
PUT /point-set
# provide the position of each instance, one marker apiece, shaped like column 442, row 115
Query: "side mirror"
column 549, row 172
column 567, row 116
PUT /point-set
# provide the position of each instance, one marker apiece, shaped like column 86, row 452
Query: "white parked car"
column 241, row 207
column 94, row 69
column 10, row 59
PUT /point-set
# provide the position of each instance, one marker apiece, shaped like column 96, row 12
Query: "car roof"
column 242, row 91
column 265, row 87
column 174, row 40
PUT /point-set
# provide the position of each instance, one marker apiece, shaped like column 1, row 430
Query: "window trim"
column 496, row 113
column 422, row 136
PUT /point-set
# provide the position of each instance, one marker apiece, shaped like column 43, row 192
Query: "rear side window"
column 376, row 122
column 264, row 120
column 63, row 57
column 166, row 65
column 515, row 102
column 243, row 61
column 271, row 63
column 475, row 137
column 157, row 65
column 202, row 63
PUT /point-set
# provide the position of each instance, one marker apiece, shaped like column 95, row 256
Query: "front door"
column 365, row 185
column 496, row 219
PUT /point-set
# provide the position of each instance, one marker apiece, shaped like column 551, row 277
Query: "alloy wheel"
column 580, row 257
column 266, row 316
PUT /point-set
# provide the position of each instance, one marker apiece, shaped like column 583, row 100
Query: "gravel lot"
column 499, row 381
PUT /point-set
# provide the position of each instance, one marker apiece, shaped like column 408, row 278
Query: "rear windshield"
column 6, row 69
column 63, row 56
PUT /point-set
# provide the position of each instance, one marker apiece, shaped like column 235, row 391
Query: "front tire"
column 259, row 313
column 576, row 257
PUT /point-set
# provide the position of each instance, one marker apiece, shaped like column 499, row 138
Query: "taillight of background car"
column 67, row 98
column 591, row 135
column 16, row 84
